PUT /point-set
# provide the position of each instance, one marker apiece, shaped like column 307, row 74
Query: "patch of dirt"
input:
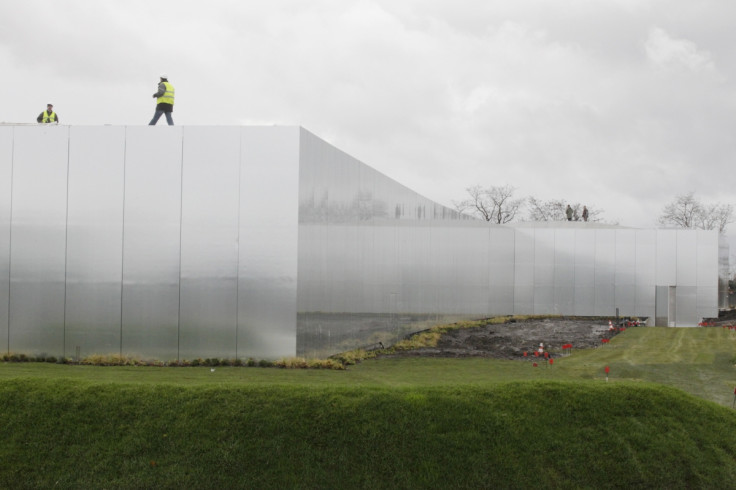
column 511, row 340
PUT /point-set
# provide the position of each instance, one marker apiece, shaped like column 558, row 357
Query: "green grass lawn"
column 700, row 361
column 662, row 420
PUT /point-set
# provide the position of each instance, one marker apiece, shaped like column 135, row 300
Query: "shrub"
column 325, row 364
column 265, row 363
column 352, row 357
column 251, row 362
column 291, row 363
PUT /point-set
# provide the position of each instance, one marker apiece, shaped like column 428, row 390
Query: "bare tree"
column 683, row 212
column 495, row 204
column 686, row 211
column 716, row 217
column 554, row 210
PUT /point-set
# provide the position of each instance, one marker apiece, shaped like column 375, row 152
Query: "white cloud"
column 663, row 50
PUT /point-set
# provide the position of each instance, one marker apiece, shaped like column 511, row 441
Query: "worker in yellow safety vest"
column 165, row 102
column 48, row 116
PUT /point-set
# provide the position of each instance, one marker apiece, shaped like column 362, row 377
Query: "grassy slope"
column 82, row 435
column 386, row 423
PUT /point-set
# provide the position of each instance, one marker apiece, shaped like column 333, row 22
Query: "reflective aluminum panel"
column 646, row 257
column 501, row 271
column 666, row 257
column 95, row 240
column 706, row 265
column 151, row 234
column 625, row 257
column 584, row 272
column 625, row 271
column 605, row 272
column 646, row 270
column 707, row 269
column 209, row 242
column 687, row 258
column 524, row 271
column 564, row 278
column 686, row 306
column 544, row 272
column 6, row 172
column 38, row 248
column 662, row 309
column 724, row 271
column 473, row 269
column 707, row 303
column 268, row 230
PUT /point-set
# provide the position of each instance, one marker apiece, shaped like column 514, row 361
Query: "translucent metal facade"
column 183, row 242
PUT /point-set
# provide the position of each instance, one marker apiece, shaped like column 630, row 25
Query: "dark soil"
column 511, row 340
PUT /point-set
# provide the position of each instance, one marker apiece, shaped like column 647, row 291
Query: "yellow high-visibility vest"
column 168, row 96
column 47, row 118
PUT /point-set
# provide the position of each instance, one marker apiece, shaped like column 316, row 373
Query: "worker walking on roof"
column 165, row 105
column 48, row 116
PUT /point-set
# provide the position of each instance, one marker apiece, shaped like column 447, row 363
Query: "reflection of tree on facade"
column 365, row 206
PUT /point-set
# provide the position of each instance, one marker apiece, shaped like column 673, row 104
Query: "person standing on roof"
column 48, row 116
column 568, row 213
column 165, row 105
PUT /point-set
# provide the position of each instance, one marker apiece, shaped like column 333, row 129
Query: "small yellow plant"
column 302, row 363
column 109, row 360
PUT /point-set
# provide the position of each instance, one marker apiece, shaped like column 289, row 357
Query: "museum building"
column 183, row 242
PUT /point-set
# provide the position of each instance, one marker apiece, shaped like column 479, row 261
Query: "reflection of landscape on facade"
column 185, row 242
column 366, row 277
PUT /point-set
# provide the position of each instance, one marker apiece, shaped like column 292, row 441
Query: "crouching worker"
column 48, row 116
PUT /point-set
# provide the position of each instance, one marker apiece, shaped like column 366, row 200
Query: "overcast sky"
column 617, row 104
